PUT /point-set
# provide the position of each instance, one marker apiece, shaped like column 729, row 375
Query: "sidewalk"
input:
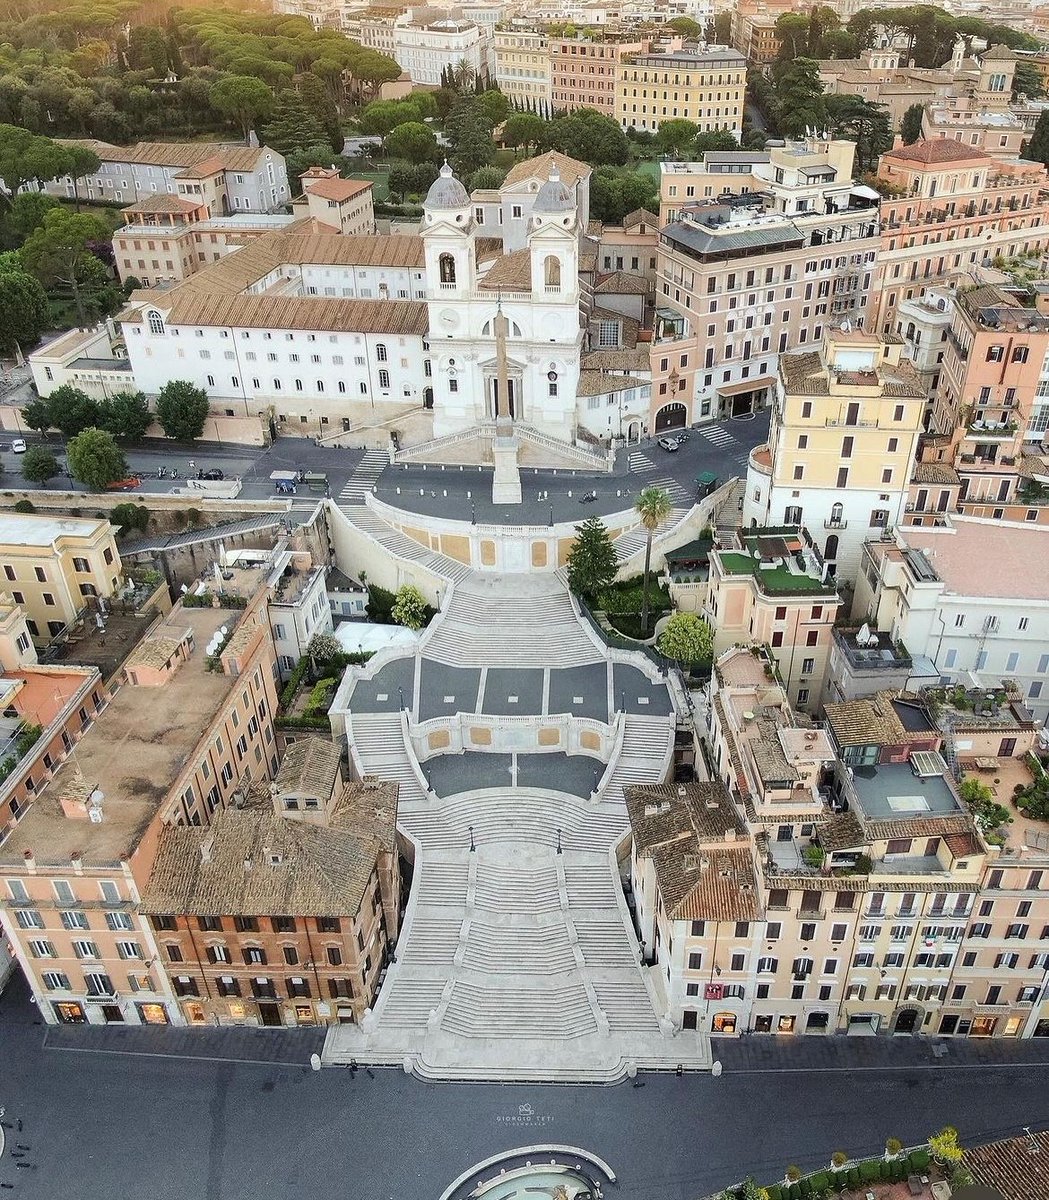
column 289, row 1047
column 767, row 1053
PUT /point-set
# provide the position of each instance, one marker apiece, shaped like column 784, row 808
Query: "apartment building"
column 344, row 205
column 426, row 48
column 769, row 591
column 970, row 594
column 759, row 253
column 959, row 209
column 880, row 77
column 754, row 29
column 168, row 238
column 54, row 567
column 799, row 893
column 703, row 86
column 631, row 247
column 992, row 402
column 298, row 609
column 523, row 68
column 226, row 178
column 46, row 710
column 864, row 662
column 190, row 727
column 583, row 73
column 283, row 910
column 841, row 446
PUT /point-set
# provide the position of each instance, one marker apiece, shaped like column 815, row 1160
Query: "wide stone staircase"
column 517, row 959
column 511, row 621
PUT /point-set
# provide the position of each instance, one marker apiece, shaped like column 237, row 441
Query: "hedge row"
column 875, row 1170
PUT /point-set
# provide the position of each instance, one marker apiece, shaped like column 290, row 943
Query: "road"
column 111, row 1126
column 452, row 492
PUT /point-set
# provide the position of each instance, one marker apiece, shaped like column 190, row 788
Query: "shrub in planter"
column 805, row 1185
column 869, row 1172
column 918, row 1160
column 793, row 1192
column 820, row 1181
column 893, row 1146
column 854, row 1177
column 775, row 1192
column 885, row 1169
column 899, row 1169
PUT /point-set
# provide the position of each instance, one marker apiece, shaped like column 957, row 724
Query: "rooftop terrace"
column 777, row 561
column 892, row 791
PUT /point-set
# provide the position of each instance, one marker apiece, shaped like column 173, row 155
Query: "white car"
column 18, row 445
column 669, row 443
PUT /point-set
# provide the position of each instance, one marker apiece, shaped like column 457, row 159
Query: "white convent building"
column 306, row 330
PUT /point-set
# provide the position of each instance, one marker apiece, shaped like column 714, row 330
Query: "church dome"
column 554, row 196
column 446, row 191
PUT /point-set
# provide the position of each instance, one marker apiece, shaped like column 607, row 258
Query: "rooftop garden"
column 19, row 746
column 775, row 580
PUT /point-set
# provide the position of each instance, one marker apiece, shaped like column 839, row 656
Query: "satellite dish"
column 96, row 798
column 223, row 630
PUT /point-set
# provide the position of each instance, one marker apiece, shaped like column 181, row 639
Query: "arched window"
column 380, row 352
column 446, row 266
column 156, row 321
column 835, row 514
column 552, row 272
column 831, row 551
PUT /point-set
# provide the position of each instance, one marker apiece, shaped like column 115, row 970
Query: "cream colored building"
column 522, row 67
column 769, row 592
column 705, row 87
column 841, row 445
column 54, row 567
column 344, row 205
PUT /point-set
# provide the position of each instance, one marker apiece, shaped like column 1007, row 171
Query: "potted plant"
column 893, row 1146
column 838, row 1159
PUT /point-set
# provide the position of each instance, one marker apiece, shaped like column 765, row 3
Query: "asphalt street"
column 113, row 1126
column 457, row 493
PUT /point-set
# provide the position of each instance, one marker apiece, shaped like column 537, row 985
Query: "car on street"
column 124, row 485
column 213, row 473
column 669, row 443
column 18, row 445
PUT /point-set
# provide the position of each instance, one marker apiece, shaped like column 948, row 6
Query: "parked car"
column 124, row 485
column 213, row 474
column 18, row 445
column 669, row 443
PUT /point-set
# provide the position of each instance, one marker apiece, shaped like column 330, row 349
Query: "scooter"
column 587, row 497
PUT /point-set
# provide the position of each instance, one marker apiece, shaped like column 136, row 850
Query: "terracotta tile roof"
column 934, row 472
column 866, row 722
column 203, row 170
column 961, row 845
column 252, row 862
column 173, row 154
column 937, row 150
column 322, row 313
column 163, row 204
column 309, row 765
column 665, row 812
column 339, row 189
column 622, row 283
column 1017, row 1168
column 571, row 170
column 902, row 827
column 843, row 832
column 597, row 383
column 617, row 360
column 487, row 248
column 641, row 216
column 720, row 885
column 512, row 273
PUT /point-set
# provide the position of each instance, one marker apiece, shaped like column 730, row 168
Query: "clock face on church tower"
column 449, row 319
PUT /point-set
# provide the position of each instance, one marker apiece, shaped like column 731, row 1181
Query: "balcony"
column 987, row 431
column 761, row 460
column 835, row 524
column 842, row 423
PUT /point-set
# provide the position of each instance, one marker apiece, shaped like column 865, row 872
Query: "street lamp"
column 400, row 697
column 472, row 846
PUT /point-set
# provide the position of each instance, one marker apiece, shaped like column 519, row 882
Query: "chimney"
column 730, row 835
column 30, row 860
column 77, row 860
column 247, row 865
column 205, row 848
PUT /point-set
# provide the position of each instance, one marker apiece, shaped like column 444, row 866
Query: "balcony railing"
column 835, row 524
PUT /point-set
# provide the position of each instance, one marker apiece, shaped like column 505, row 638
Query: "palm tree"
column 462, row 75
column 653, row 506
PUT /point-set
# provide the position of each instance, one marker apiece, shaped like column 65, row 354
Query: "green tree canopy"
column 25, row 157
column 686, row 27
column 409, row 608
column 589, row 135
column 485, row 179
column 1037, row 149
column 243, row 99
column 39, row 464
column 524, row 129
column 95, row 459
column 182, row 410
column 293, row 125
column 72, row 409
column 911, row 124
column 59, row 253
column 686, row 638
column 1027, row 81
column 37, row 415
column 862, row 122
column 24, row 311
column 653, row 506
column 676, row 137
column 592, row 562
column 125, row 415
column 799, row 97
column 413, row 141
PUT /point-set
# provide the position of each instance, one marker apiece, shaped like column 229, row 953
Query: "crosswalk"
column 717, row 434
column 674, row 489
column 639, row 463
column 364, row 477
